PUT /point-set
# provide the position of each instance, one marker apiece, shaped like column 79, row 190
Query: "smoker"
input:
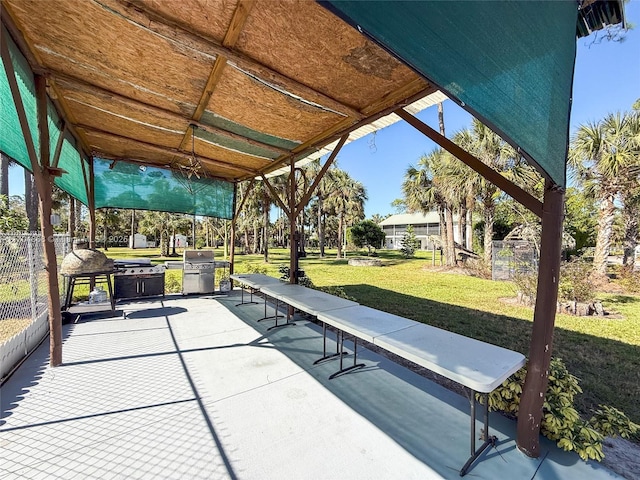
column 198, row 272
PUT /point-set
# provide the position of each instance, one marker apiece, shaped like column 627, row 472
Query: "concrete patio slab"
column 196, row 388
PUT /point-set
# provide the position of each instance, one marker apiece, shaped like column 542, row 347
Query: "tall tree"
column 346, row 200
column 5, row 163
column 604, row 155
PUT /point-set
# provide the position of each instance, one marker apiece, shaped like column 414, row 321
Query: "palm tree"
column 346, row 200
column 425, row 188
column 604, row 155
column 5, row 163
column 493, row 151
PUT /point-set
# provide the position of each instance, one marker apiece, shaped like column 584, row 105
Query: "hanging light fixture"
column 187, row 173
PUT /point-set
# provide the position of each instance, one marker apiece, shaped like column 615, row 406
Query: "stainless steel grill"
column 198, row 272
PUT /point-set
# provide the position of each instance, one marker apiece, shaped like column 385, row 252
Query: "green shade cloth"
column 510, row 63
column 130, row 185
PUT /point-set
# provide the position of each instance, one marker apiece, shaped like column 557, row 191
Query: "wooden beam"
column 307, row 196
column 82, row 85
column 510, row 188
column 244, row 199
column 212, row 82
column 275, row 195
column 140, row 14
column 171, row 151
column 91, row 200
column 236, row 25
column 540, row 346
column 58, row 150
column 232, row 233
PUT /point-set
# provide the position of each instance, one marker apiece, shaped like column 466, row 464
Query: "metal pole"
column 535, row 385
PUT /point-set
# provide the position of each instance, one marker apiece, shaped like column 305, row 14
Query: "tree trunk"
column 173, row 243
column 320, row 227
column 451, row 247
column 256, row 236
column 78, row 215
column 630, row 215
column 462, row 224
column 441, row 118
column 105, row 231
column 489, row 209
column 605, row 231
column 266, row 207
column 443, row 230
column 31, row 200
column 4, row 175
column 340, row 229
column 71, row 226
column 469, row 213
column 133, row 229
column 193, row 230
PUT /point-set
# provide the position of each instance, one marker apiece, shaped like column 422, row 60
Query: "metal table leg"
column 242, row 302
column 342, row 354
column 324, row 347
column 276, row 316
column 488, row 439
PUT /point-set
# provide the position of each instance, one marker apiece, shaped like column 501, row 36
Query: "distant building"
column 426, row 228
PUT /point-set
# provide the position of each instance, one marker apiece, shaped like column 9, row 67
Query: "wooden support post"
column 535, row 386
column 232, row 233
column 91, row 200
column 293, row 231
column 43, row 182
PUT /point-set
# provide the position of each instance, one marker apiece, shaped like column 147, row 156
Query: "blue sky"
column 607, row 79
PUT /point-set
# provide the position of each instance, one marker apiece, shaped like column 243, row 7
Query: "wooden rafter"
column 307, row 196
column 170, row 151
column 56, row 154
column 244, row 199
column 59, row 79
column 510, row 188
column 275, row 195
column 139, row 14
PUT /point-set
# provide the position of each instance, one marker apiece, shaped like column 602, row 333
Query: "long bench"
column 479, row 366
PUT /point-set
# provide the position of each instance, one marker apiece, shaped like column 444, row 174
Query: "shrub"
column 336, row 290
column 630, row 280
column 561, row 421
column 576, row 283
column 302, row 278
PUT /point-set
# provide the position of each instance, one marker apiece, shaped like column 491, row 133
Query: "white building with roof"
column 426, row 228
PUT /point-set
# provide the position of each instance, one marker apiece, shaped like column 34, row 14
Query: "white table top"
column 306, row 299
column 256, row 280
column 364, row 322
column 478, row 365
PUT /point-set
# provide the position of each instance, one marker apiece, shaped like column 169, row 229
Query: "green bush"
column 336, row 290
column 576, row 283
column 561, row 421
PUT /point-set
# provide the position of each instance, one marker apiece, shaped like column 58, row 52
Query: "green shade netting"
column 129, row 185
column 510, row 63
column 12, row 142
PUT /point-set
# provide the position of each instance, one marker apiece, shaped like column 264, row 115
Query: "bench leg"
column 276, row 316
column 242, row 302
column 324, row 347
column 342, row 354
column 488, row 439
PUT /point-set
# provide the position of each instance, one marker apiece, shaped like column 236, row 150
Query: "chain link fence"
column 24, row 294
column 510, row 257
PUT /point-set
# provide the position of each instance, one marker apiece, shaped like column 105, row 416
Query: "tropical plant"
column 605, row 157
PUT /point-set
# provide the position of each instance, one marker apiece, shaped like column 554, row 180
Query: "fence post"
column 33, row 275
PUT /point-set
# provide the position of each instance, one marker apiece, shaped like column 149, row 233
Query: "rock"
column 365, row 262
